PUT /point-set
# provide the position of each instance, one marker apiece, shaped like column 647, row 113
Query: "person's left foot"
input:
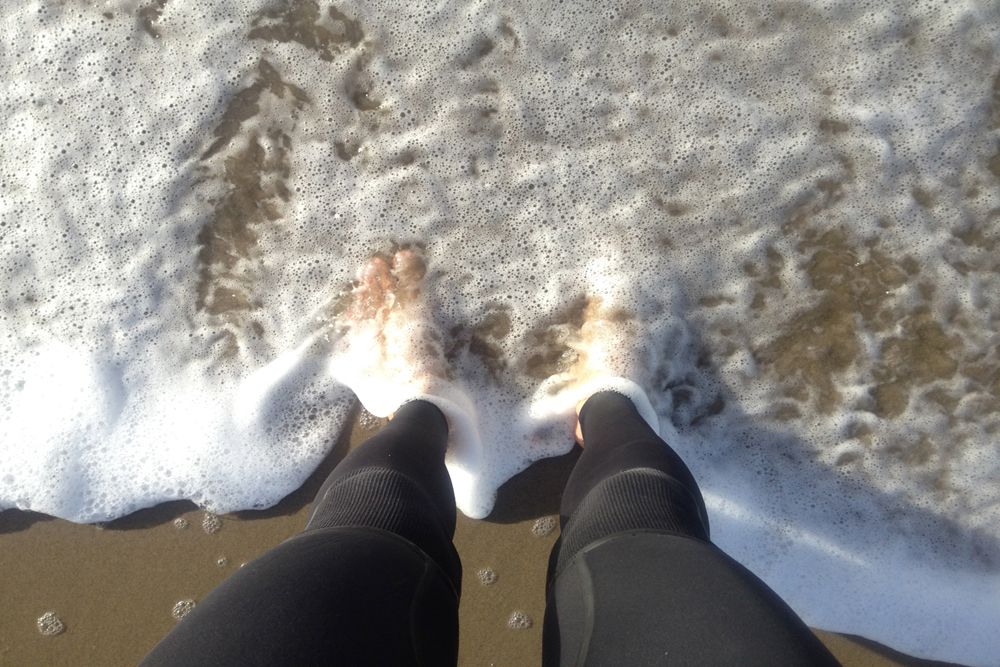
column 611, row 352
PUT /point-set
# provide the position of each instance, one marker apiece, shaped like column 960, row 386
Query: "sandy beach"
column 114, row 586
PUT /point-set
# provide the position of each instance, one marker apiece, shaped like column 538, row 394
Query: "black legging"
column 633, row 578
column 375, row 579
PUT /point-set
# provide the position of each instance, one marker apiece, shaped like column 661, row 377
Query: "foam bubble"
column 49, row 624
column 543, row 526
column 519, row 620
column 210, row 523
column 182, row 608
column 487, row 576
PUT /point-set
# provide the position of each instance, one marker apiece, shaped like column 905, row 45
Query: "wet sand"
column 114, row 586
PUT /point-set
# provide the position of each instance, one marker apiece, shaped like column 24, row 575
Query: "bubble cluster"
column 211, row 523
column 182, row 608
column 487, row 576
column 543, row 526
column 519, row 620
column 50, row 625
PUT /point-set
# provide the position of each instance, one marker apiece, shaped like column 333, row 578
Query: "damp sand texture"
column 794, row 204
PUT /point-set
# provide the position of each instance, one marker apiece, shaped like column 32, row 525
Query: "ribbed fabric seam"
column 371, row 496
column 641, row 498
column 386, row 499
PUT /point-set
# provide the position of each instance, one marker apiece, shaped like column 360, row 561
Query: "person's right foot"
column 388, row 350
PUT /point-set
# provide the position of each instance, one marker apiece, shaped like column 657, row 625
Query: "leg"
column 397, row 481
column 373, row 580
column 627, row 478
column 634, row 578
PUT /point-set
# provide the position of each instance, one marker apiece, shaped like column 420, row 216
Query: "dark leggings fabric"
column 396, row 481
column 375, row 578
column 634, row 579
column 626, row 478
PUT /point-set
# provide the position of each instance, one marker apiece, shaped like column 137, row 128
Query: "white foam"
column 549, row 403
column 681, row 160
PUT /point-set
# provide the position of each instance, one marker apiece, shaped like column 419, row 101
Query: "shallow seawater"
column 791, row 208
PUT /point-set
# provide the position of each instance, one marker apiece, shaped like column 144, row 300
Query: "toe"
column 376, row 274
column 409, row 269
column 373, row 292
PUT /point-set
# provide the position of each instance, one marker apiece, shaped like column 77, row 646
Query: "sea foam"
column 794, row 205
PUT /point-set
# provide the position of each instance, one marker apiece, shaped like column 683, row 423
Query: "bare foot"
column 388, row 349
column 372, row 297
column 609, row 342
column 611, row 353
column 606, row 347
